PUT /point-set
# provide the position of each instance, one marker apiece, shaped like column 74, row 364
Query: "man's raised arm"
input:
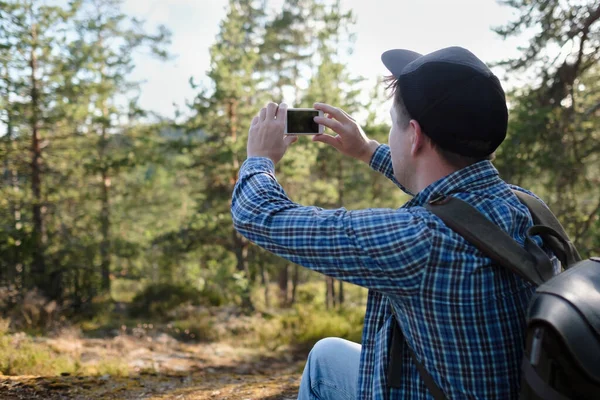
column 381, row 249
column 351, row 140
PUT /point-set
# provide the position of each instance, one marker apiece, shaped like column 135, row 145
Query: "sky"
column 419, row 25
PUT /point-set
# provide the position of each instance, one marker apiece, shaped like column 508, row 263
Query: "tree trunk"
column 264, row 274
column 76, row 289
column 6, row 273
column 19, row 269
column 330, row 299
column 240, row 244
column 340, row 203
column 295, row 278
column 241, row 254
column 105, row 228
column 11, row 178
column 105, row 190
column 39, row 265
column 283, row 286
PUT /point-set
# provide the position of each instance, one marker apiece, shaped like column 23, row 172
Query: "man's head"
column 449, row 97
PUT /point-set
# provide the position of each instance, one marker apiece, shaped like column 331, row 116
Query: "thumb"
column 289, row 139
column 327, row 139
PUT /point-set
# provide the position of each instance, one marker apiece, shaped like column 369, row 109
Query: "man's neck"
column 431, row 170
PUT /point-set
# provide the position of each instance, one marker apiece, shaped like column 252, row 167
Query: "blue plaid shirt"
column 463, row 317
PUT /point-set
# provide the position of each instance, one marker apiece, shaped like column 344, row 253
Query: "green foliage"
column 127, row 199
column 124, row 290
column 65, row 72
column 305, row 325
column 552, row 144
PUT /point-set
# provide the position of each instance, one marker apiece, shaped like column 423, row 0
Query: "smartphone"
column 299, row 121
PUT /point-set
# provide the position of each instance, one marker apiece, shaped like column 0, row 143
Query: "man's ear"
column 419, row 139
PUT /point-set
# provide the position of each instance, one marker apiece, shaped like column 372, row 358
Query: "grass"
column 22, row 355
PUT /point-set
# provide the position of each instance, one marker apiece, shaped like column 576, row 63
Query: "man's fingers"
column 289, row 139
column 263, row 114
column 330, row 123
column 328, row 139
column 254, row 121
column 282, row 112
column 336, row 112
column 348, row 116
column 271, row 110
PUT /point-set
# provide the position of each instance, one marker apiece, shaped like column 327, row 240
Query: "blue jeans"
column 331, row 371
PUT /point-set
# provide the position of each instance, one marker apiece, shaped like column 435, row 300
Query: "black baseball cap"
column 454, row 96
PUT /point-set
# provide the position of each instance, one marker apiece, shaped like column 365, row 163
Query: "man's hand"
column 266, row 138
column 350, row 139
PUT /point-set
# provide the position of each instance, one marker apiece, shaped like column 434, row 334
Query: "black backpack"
column 561, row 358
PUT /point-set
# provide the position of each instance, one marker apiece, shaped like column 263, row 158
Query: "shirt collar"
column 471, row 177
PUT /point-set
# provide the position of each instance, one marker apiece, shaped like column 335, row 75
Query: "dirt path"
column 163, row 368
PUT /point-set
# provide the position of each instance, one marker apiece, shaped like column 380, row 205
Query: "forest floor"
column 161, row 367
column 189, row 352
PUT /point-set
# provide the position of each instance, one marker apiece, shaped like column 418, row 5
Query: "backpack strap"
column 433, row 388
column 395, row 362
column 531, row 263
column 560, row 245
column 539, row 386
column 486, row 236
column 491, row 240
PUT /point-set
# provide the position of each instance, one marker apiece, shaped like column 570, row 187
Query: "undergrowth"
column 22, row 355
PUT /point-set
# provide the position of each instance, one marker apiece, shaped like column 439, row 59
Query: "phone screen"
column 301, row 121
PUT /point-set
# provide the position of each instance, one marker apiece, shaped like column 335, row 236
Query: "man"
column 462, row 316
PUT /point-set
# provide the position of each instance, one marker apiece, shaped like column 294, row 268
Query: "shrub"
column 156, row 300
column 214, row 295
column 194, row 330
column 304, row 326
column 123, row 290
column 34, row 313
column 9, row 297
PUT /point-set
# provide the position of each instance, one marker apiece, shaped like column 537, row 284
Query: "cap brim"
column 395, row 60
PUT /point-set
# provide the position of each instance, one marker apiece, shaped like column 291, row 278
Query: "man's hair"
column 403, row 120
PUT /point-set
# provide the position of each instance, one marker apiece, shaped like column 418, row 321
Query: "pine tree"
column 285, row 60
column 33, row 39
column 554, row 130
column 286, row 49
column 11, row 236
column 332, row 84
column 224, row 116
column 107, row 42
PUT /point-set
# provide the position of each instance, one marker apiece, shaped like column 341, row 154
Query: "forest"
column 115, row 227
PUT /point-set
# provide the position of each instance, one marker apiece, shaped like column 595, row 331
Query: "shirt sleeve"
column 381, row 161
column 381, row 249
